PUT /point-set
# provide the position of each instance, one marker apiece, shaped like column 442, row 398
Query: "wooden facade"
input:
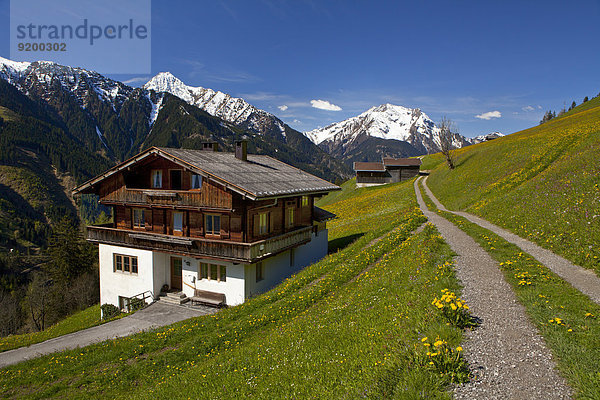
column 209, row 221
column 388, row 171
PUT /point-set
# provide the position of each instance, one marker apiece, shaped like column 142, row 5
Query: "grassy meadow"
column 359, row 323
column 80, row 320
column 567, row 319
column 541, row 183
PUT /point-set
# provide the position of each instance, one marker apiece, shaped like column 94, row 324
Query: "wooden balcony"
column 200, row 247
column 173, row 198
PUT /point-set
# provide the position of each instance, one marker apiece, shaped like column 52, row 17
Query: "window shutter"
column 256, row 224
column 224, row 226
column 270, row 222
column 148, row 219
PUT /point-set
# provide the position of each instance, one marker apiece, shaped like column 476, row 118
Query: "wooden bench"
column 208, row 298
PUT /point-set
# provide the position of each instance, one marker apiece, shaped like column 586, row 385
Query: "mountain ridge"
column 388, row 122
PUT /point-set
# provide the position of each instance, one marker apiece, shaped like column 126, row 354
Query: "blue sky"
column 505, row 61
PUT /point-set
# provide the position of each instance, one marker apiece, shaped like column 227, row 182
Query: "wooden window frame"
column 192, row 175
column 133, row 218
column 122, row 260
column 212, row 232
column 152, row 178
column 206, row 269
column 305, row 201
column 183, row 225
column 264, row 229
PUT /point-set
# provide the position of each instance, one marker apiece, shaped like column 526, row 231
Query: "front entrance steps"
column 173, row 298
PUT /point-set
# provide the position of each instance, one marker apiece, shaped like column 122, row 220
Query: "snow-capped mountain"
column 386, row 122
column 79, row 81
column 231, row 109
column 485, row 138
column 116, row 121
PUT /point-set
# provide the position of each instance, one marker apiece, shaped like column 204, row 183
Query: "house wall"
column 114, row 284
column 233, row 287
column 409, row 173
column 279, row 267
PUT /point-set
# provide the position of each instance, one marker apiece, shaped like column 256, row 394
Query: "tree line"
column 548, row 115
column 36, row 292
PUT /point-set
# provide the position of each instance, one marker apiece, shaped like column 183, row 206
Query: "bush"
column 136, row 304
column 109, row 311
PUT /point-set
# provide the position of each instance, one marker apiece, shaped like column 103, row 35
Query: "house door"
column 176, row 273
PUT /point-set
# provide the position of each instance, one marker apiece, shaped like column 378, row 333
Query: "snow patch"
column 155, row 108
column 101, row 137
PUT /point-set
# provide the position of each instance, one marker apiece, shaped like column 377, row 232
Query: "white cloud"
column 325, row 105
column 296, row 121
column 489, row 115
column 137, row 79
column 527, row 108
column 283, row 107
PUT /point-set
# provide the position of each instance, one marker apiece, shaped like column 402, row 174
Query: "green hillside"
column 542, row 183
column 354, row 324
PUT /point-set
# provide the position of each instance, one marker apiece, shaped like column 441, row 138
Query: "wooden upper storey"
column 161, row 194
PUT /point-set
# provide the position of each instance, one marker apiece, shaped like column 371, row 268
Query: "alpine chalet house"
column 389, row 170
column 217, row 227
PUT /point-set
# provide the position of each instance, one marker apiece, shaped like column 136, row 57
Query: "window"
column 175, row 175
column 157, row 178
column 213, row 272
column 263, row 223
column 290, row 217
column 125, row 264
column 305, row 201
column 196, row 181
column 178, row 221
column 138, row 218
column 260, row 272
column 213, row 224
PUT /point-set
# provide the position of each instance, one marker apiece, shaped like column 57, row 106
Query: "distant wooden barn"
column 389, row 170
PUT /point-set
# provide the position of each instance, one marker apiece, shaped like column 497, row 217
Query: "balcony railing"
column 157, row 197
column 200, row 247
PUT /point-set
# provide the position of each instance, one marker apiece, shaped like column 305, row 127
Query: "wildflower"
column 459, row 348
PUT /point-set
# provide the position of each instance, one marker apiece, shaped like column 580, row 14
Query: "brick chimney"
column 241, row 149
column 210, row 146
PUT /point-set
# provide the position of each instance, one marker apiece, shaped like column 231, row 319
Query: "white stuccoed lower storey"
column 154, row 271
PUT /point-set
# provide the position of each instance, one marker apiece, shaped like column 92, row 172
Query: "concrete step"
column 174, row 299
column 176, row 295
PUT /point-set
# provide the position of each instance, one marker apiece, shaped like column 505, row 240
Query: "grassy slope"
column 76, row 322
column 321, row 331
column 541, row 183
column 575, row 340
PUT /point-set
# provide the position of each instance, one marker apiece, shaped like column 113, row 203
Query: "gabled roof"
column 401, row 162
column 322, row 215
column 258, row 177
column 369, row 166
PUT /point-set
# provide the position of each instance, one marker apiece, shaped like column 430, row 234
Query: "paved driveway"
column 156, row 315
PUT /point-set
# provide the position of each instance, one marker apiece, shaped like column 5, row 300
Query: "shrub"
column 109, row 311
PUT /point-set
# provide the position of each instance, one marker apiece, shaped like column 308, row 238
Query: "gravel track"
column 506, row 355
column 584, row 280
column 155, row 315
